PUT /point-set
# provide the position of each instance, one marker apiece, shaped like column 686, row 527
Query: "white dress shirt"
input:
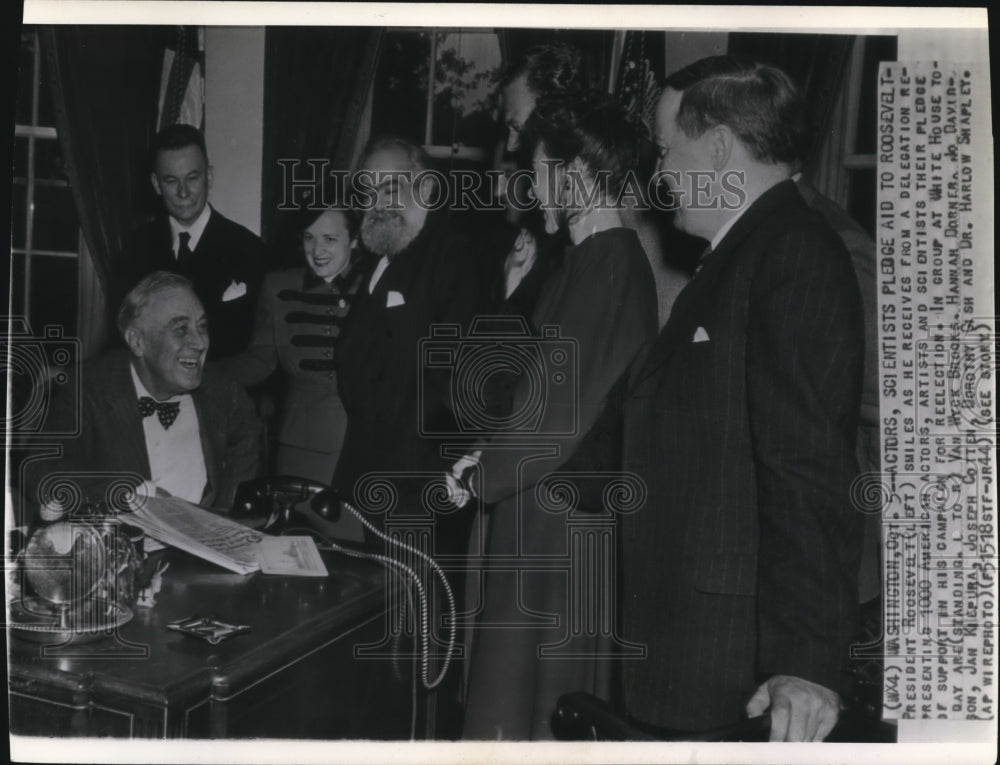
column 379, row 270
column 176, row 459
column 196, row 229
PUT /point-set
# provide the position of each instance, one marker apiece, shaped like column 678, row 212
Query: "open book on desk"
column 180, row 524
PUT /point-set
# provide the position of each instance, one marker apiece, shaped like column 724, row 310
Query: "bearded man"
column 425, row 275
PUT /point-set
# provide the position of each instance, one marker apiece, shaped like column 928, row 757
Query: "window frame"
column 34, row 133
column 444, row 151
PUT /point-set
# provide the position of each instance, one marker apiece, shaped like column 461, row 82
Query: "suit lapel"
column 123, row 418
column 684, row 315
column 205, row 431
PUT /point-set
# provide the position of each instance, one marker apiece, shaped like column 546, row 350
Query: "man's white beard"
column 387, row 233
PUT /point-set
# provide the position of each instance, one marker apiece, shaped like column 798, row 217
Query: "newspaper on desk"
column 188, row 527
column 226, row 543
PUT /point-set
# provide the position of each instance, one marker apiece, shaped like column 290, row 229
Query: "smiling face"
column 398, row 213
column 327, row 244
column 182, row 177
column 169, row 340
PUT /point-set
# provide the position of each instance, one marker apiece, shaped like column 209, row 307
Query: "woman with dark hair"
column 599, row 306
column 299, row 315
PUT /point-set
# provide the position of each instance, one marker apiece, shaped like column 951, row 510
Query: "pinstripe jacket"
column 741, row 419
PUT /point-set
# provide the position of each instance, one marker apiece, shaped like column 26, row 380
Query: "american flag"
column 182, row 85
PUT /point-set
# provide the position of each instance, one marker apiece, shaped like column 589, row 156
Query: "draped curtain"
column 316, row 83
column 826, row 171
column 104, row 82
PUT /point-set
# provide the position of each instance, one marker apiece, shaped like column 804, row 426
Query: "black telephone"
column 282, row 501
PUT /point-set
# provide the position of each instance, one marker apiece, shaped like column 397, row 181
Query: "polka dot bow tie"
column 166, row 411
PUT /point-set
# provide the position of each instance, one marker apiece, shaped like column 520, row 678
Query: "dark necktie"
column 183, row 249
column 166, row 411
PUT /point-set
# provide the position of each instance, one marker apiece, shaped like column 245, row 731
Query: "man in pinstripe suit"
column 740, row 572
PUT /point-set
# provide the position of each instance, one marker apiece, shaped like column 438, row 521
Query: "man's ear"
column 156, row 184
column 722, row 139
column 135, row 342
column 209, row 177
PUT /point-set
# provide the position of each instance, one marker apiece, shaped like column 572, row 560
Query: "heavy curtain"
column 316, row 81
column 104, row 84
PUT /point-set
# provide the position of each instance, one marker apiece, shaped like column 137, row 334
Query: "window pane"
column 400, row 102
column 465, row 77
column 25, row 74
column 46, row 110
column 19, row 196
column 56, row 226
column 20, row 157
column 48, row 160
column 53, row 293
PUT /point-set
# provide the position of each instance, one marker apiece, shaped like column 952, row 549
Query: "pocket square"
column 700, row 336
column 393, row 299
column 234, row 290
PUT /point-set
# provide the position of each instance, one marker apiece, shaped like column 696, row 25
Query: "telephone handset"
column 280, row 499
column 283, row 500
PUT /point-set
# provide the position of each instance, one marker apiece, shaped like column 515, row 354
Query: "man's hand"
column 800, row 710
column 459, row 486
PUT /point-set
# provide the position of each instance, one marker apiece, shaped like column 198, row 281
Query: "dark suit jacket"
column 226, row 253
column 378, row 356
column 111, row 436
column 862, row 250
column 743, row 562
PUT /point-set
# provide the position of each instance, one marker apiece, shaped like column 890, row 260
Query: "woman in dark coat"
column 299, row 315
column 600, row 306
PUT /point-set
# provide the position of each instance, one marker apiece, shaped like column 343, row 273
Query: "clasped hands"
column 800, row 710
column 460, row 482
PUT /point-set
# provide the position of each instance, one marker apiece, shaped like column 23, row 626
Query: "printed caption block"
column 937, row 346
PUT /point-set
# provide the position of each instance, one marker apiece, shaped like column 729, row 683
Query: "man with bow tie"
column 224, row 260
column 740, row 572
column 154, row 411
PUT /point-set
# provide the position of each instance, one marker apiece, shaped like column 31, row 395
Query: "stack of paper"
column 188, row 527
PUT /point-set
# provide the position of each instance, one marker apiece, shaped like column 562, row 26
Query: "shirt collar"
column 196, row 229
column 140, row 389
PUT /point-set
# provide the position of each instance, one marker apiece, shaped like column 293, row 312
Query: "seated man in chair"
column 154, row 411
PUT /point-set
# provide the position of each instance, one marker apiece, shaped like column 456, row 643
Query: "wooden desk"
column 295, row 675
